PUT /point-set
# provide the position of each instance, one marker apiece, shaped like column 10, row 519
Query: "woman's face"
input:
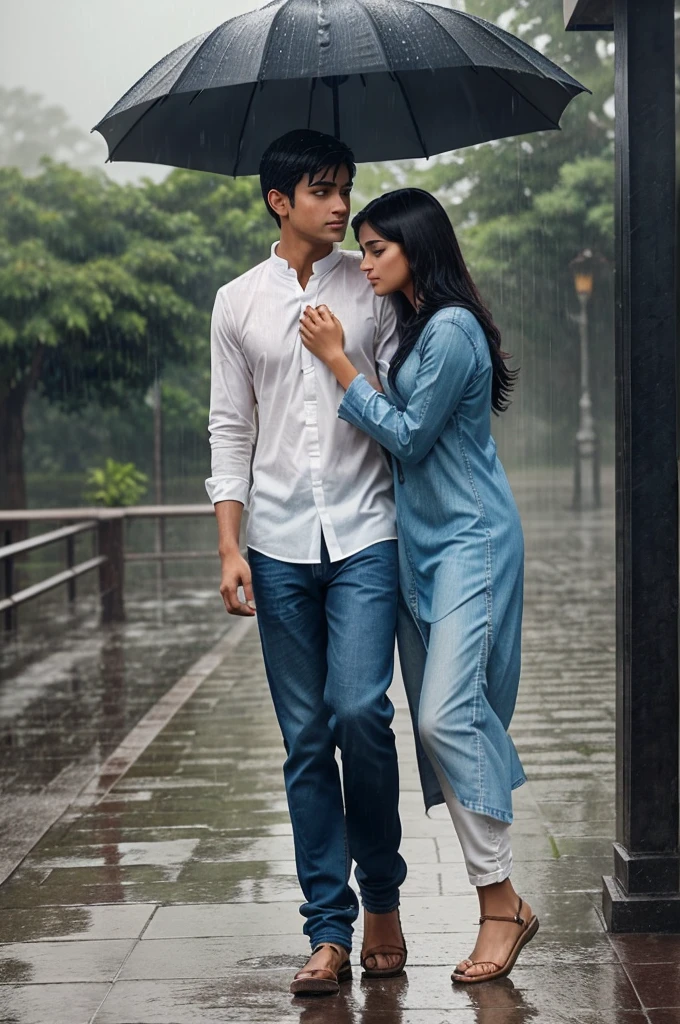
column 384, row 262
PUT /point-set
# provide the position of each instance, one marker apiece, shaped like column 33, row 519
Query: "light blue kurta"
column 461, row 559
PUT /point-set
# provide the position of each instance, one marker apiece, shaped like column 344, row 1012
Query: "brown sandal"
column 321, row 981
column 385, row 972
column 529, row 929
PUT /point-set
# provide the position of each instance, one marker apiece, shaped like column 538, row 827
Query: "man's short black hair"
column 303, row 151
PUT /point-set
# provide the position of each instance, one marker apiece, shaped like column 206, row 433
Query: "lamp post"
column 587, row 448
column 158, row 471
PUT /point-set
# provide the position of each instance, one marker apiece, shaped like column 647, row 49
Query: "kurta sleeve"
column 232, row 410
column 448, row 364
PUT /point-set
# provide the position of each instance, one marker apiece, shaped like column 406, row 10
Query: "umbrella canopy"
column 392, row 78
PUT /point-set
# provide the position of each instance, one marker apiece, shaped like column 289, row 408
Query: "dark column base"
column 649, row 913
column 641, row 873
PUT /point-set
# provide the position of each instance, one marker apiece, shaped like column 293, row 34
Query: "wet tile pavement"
column 70, row 692
column 167, row 894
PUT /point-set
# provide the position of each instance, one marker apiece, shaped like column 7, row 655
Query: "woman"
column 460, row 539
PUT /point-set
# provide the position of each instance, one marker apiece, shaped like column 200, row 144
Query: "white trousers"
column 485, row 841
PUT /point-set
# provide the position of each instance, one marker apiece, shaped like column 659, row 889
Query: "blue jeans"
column 327, row 632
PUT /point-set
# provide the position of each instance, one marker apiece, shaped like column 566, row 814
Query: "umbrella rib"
column 397, row 79
column 243, row 127
column 376, row 34
column 411, row 114
column 268, row 40
column 312, row 88
column 140, row 80
column 525, row 98
column 134, row 124
column 211, row 35
column 435, row 19
column 498, row 33
column 260, row 79
column 502, row 38
column 208, row 39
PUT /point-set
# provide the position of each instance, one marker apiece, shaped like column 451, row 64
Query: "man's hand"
column 235, row 574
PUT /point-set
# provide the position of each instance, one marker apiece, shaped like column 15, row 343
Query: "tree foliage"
column 103, row 286
column 95, row 285
column 524, row 208
column 115, row 484
column 95, row 295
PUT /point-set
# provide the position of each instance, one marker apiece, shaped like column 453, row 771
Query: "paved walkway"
column 167, row 893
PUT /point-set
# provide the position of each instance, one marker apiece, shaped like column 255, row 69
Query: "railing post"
column 70, row 562
column 111, row 572
column 10, row 613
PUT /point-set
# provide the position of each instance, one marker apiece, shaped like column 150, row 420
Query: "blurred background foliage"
column 104, row 287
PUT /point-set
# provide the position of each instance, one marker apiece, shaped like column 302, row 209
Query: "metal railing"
column 110, row 559
column 10, row 552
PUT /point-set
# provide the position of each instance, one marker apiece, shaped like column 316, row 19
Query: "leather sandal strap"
column 511, row 920
column 517, row 919
column 323, row 973
column 385, row 950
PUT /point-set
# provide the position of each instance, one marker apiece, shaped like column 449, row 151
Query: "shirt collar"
column 319, row 269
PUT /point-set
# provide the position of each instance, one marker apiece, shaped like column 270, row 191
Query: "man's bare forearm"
column 229, row 515
column 235, row 568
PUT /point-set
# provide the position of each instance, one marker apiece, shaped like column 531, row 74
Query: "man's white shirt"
column 277, row 443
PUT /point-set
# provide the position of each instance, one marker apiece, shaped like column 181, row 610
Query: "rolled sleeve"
column 228, row 488
column 354, row 401
column 232, row 410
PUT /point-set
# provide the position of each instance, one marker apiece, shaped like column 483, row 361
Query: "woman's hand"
column 322, row 333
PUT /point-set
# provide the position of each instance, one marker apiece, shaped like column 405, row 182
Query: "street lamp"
column 586, row 446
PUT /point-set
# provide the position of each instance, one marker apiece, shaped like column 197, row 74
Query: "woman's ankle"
column 497, row 895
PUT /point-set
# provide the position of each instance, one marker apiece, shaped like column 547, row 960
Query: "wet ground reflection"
column 69, row 692
column 184, row 873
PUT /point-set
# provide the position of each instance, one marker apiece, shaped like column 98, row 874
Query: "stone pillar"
column 644, row 892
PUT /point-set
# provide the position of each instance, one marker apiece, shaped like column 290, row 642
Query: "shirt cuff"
column 355, row 399
column 228, row 488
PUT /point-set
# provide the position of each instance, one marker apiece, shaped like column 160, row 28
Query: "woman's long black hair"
column 419, row 223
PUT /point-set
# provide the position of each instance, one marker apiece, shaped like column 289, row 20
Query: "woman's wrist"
column 343, row 370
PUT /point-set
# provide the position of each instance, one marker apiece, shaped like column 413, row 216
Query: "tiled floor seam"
column 108, row 993
column 148, row 922
column 122, row 965
column 644, row 1009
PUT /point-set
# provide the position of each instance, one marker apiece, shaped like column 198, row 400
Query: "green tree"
column 192, row 232
column 96, row 294
column 233, row 213
column 524, row 207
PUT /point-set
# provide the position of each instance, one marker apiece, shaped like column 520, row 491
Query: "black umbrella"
column 392, row 78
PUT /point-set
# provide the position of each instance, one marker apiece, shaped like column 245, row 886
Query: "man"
column 322, row 558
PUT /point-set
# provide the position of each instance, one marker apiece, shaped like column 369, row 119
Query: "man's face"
column 322, row 206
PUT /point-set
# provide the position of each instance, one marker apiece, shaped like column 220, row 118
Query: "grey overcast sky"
column 84, row 54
